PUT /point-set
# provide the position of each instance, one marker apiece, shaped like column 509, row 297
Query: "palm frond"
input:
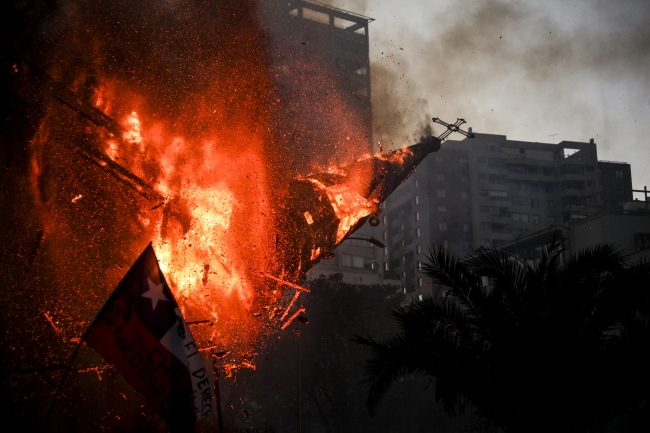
column 446, row 270
column 390, row 360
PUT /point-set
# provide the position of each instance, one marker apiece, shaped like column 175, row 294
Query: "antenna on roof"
column 455, row 127
column 553, row 135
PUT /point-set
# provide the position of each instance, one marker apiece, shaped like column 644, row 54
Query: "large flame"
column 197, row 124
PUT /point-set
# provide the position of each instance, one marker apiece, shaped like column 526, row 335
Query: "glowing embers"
column 349, row 206
column 133, row 132
column 299, row 290
column 398, row 156
column 183, row 255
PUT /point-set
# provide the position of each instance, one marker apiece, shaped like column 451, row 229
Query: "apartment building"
column 314, row 47
column 490, row 190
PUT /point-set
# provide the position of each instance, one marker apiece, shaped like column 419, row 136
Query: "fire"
column 183, row 256
column 133, row 134
column 399, row 156
column 349, row 206
column 205, row 134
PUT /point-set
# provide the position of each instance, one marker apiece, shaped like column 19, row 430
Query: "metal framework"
column 451, row 128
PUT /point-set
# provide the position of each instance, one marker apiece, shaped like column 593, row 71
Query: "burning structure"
column 326, row 208
column 125, row 123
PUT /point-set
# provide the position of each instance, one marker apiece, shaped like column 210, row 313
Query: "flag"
column 141, row 331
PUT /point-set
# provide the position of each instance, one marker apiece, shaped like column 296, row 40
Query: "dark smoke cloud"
column 505, row 66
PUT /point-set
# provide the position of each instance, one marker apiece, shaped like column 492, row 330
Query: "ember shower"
column 220, row 118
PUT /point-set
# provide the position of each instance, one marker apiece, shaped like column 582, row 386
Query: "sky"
column 527, row 69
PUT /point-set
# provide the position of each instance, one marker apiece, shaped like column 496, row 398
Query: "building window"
column 445, row 243
column 550, row 219
column 482, row 176
column 591, row 184
column 485, row 226
column 550, row 204
column 404, row 276
column 523, row 217
column 385, row 235
column 419, row 266
column 463, row 161
column 484, row 209
column 534, row 203
column 466, row 228
column 420, row 285
column 404, row 258
column 589, row 168
column 418, row 249
column 519, row 201
column 442, row 227
column 486, row 242
column 417, row 199
column 464, row 195
column 385, row 251
column 464, row 178
column 534, row 219
column 417, row 216
column 440, row 177
column 548, row 188
column 385, row 219
column 480, row 159
column 403, row 242
column 619, row 174
column 441, row 193
column 386, row 266
column 417, row 233
column 482, row 192
column 572, row 169
column 416, row 183
column 352, row 261
column 442, row 208
column 440, row 159
column 499, row 195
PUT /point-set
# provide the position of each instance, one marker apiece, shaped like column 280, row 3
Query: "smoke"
column 397, row 114
column 515, row 68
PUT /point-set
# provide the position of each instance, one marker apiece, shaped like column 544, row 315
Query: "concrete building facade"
column 488, row 191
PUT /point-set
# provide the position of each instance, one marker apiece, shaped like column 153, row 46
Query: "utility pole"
column 299, row 394
column 301, row 320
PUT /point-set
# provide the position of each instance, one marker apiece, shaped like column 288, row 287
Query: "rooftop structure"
column 489, row 191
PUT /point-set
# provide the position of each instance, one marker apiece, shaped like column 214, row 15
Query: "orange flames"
column 349, row 206
column 201, row 134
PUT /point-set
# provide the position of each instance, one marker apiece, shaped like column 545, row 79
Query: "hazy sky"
column 579, row 69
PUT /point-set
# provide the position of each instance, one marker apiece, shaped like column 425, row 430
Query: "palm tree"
column 561, row 345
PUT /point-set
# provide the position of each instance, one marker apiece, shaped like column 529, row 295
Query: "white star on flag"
column 155, row 293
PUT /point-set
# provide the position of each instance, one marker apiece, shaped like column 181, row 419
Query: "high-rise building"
column 490, row 190
column 321, row 58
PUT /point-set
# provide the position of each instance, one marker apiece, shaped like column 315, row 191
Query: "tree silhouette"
column 561, row 345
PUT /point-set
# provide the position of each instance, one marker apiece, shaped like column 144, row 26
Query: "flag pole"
column 216, row 392
column 81, row 340
column 58, row 389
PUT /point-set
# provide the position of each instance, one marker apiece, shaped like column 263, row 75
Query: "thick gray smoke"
column 524, row 69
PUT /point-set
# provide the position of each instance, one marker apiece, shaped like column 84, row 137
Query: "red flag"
column 141, row 331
